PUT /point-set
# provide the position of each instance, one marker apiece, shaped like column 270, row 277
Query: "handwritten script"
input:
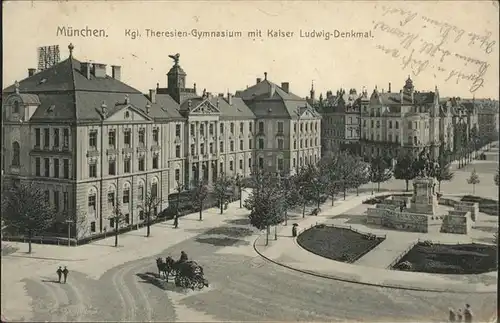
column 423, row 44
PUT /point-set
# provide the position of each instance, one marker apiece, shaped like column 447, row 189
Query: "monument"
column 424, row 198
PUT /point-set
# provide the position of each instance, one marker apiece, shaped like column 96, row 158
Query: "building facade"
column 93, row 143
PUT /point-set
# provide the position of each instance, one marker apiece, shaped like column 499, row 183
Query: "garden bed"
column 460, row 259
column 487, row 206
column 338, row 244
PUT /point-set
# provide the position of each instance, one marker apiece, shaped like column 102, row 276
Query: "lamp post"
column 69, row 222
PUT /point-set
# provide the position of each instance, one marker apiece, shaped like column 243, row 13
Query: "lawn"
column 459, row 259
column 337, row 243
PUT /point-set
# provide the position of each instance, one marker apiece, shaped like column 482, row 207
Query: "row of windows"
column 56, row 200
column 127, row 165
column 372, row 124
column 308, row 126
column 56, row 136
column 221, row 128
column 127, row 137
column 389, row 137
column 55, row 166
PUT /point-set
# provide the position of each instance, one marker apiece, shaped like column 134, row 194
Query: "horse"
column 162, row 268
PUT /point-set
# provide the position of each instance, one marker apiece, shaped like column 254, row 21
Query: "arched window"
column 15, row 109
column 15, row 154
column 140, row 191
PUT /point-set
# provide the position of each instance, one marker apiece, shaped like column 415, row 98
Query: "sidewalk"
column 287, row 253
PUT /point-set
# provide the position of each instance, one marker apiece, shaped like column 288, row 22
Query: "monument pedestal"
column 424, row 196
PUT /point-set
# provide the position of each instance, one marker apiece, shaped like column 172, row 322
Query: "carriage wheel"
column 177, row 281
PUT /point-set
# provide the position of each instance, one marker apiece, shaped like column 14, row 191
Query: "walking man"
column 467, row 314
column 65, row 273
column 176, row 221
column 59, row 273
column 459, row 315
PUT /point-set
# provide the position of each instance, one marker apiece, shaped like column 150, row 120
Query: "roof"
column 64, row 92
column 268, row 99
column 391, row 98
column 238, row 109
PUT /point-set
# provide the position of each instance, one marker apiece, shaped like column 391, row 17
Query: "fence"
column 401, row 255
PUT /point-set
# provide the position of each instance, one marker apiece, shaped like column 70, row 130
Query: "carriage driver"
column 184, row 256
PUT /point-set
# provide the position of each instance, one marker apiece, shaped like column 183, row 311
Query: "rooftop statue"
column 175, row 58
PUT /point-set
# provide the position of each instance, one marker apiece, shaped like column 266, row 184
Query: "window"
column 241, row 164
column 409, row 140
column 397, row 138
column 202, row 149
column 56, row 201
column 316, row 126
column 307, row 127
column 142, row 162
column 415, row 140
column 112, row 138
column 280, row 143
column 177, row 130
column 409, row 124
column 390, row 137
column 261, row 162
column 141, row 215
column 242, row 127
column 241, row 144
column 364, row 123
column 250, row 127
column 16, row 150
column 111, row 199
column 261, row 126
column 127, row 138
column 177, row 175
column 231, row 165
column 127, row 218
column 177, row 151
column 142, row 135
column 93, row 139
column 56, row 168
column 66, row 138
column 211, row 148
column 37, row 137
column 250, row 162
column 221, row 128
column 202, row 130
column 294, row 127
column 66, row 168
column 92, row 202
column 249, row 143
column 390, row 124
column 141, row 192
column 47, row 196
column 305, row 142
column 112, row 222
column 93, row 169
column 155, row 161
column 295, row 144
column 193, row 152
column 156, row 136
column 46, row 164
column 372, row 123
column 232, row 128
column 221, row 147
column 112, row 167
column 378, row 123
column 396, row 125
column 280, row 127
column 46, row 138
column 301, row 127
column 221, row 165
column 231, row 146
column 301, row 144
column 211, row 129
column 293, row 162
column 126, row 165
column 261, row 143
column 37, row 166
column 316, row 141
column 371, row 137
column 56, row 137
column 92, row 226
column 192, row 130
column 15, row 109
column 154, row 189
column 310, row 142
column 65, row 201
column 126, row 195
column 280, row 164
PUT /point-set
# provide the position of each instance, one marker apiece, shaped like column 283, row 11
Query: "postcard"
column 250, row 161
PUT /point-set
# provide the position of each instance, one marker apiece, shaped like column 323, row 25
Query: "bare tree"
column 118, row 219
column 25, row 207
column 149, row 207
column 199, row 194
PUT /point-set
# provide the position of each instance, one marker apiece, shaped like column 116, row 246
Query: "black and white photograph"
column 250, row 161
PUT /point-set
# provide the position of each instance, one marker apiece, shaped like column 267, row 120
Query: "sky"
column 451, row 44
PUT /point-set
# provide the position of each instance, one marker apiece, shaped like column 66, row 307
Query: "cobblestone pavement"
column 244, row 287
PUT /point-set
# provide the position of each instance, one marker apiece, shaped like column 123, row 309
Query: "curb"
column 384, row 285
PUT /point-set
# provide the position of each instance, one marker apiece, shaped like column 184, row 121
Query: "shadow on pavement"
column 486, row 228
column 50, row 281
column 234, row 232
column 153, row 279
column 238, row 221
column 222, row 242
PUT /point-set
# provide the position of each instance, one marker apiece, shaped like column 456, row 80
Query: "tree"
column 299, row 182
column 360, row 174
column 379, row 171
column 405, row 169
column 221, row 188
column 150, row 207
column 77, row 223
column 265, row 203
column 199, row 194
column 290, row 195
column 118, row 218
column 443, row 172
column 496, row 178
column 317, row 184
column 25, row 207
column 240, row 183
column 473, row 179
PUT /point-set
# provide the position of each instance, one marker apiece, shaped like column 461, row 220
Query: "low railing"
column 401, row 255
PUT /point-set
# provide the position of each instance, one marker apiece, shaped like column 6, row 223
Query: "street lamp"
column 69, row 222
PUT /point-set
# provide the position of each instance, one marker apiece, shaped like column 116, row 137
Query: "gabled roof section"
column 236, row 110
column 266, row 90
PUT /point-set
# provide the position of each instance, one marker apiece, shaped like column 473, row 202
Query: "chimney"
column 389, row 91
column 99, row 70
column 229, row 98
column 285, row 86
column 116, row 72
column 221, row 95
column 85, row 69
column 152, row 95
column 258, row 80
column 265, row 75
column 148, row 107
column 31, row 71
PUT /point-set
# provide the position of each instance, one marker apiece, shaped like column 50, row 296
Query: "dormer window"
column 15, row 108
column 127, row 115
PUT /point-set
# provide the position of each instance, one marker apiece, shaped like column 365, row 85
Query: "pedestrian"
column 452, row 316
column 65, row 273
column 59, row 273
column 467, row 314
column 176, row 221
column 459, row 315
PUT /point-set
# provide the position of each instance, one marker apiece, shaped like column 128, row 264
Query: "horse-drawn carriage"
column 188, row 274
